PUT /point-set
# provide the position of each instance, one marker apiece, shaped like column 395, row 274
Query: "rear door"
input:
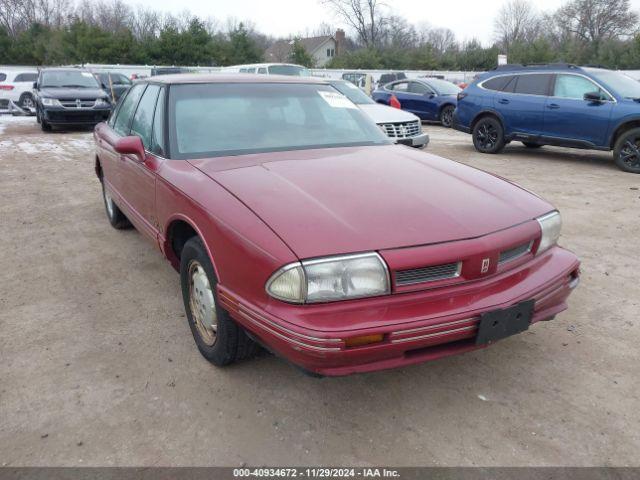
column 571, row 118
column 408, row 101
column 522, row 104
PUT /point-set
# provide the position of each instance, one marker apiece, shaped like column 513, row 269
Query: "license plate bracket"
column 499, row 324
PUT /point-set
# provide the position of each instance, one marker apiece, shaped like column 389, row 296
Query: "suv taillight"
column 6, row 87
column 461, row 95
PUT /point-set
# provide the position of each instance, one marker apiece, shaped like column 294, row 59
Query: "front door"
column 569, row 117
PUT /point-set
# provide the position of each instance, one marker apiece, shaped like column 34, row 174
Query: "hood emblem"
column 485, row 265
column 78, row 103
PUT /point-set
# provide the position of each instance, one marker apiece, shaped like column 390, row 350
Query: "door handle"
column 503, row 101
column 553, row 106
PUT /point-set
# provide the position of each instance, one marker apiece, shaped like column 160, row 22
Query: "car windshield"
column 443, row 87
column 208, row 120
column 116, row 79
column 69, row 79
column 620, row 83
column 352, row 92
column 294, row 70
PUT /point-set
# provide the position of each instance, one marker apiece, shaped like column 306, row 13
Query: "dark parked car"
column 295, row 223
column 69, row 96
column 168, row 71
column 114, row 83
column 563, row 105
column 390, row 77
column 428, row 98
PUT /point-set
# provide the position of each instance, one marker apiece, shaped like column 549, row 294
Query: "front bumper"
column 75, row 116
column 416, row 326
column 421, row 140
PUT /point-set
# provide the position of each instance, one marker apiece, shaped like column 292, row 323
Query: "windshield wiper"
column 75, row 86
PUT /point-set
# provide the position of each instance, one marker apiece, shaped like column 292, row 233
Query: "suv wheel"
column 626, row 153
column 488, row 135
column 219, row 339
column 26, row 100
column 446, row 116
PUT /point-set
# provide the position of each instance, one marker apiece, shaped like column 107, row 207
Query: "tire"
column 531, row 145
column 116, row 218
column 225, row 343
column 26, row 101
column 488, row 135
column 446, row 116
column 626, row 153
column 44, row 125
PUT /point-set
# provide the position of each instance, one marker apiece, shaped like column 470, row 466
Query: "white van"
column 16, row 85
column 270, row 69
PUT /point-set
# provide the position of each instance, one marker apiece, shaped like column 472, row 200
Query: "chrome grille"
column 75, row 104
column 515, row 252
column 428, row 274
column 402, row 129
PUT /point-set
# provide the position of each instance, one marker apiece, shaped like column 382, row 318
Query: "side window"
column 143, row 118
column 251, row 70
column 125, row 112
column 497, row 83
column 262, row 70
column 157, row 141
column 400, row 87
column 3, row 77
column 419, row 88
column 26, row 77
column 533, row 84
column 574, row 86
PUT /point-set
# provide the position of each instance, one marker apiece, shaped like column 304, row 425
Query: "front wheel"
column 26, row 101
column 488, row 135
column 626, row 153
column 446, row 116
column 219, row 339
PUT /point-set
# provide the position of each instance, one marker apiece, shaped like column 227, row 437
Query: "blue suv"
column 556, row 104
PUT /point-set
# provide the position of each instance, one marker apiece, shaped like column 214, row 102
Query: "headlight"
column 550, row 224
column 50, row 102
column 101, row 102
column 330, row 279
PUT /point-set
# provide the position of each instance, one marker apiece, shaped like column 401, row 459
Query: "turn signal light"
column 363, row 340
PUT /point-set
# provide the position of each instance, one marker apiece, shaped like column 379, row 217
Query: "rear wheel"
column 446, row 116
column 531, row 145
column 114, row 214
column 488, row 135
column 626, row 153
column 219, row 339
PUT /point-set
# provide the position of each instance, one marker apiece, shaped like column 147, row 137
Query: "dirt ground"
column 98, row 366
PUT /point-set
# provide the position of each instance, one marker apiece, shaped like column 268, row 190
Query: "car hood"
column 384, row 114
column 72, row 93
column 340, row 200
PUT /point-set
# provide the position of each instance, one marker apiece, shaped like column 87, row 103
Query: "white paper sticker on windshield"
column 86, row 74
column 336, row 100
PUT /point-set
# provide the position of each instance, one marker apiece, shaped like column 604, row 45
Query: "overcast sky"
column 467, row 18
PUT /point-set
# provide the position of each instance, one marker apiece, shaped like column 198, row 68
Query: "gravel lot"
column 98, row 366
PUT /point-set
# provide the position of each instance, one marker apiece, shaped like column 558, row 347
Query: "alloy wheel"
column 630, row 153
column 487, row 136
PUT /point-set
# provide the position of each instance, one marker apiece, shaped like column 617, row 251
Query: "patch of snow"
column 483, row 398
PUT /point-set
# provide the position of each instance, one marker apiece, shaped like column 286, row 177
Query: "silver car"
column 401, row 126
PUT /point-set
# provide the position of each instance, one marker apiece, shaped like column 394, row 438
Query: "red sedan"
column 295, row 224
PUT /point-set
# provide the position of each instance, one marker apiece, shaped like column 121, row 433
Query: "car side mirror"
column 131, row 145
column 593, row 97
column 35, row 85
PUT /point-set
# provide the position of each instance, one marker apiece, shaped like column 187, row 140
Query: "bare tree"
column 517, row 21
column 442, row 40
column 597, row 20
column 366, row 17
column 398, row 33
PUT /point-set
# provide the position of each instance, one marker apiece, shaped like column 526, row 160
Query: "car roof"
column 182, row 78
